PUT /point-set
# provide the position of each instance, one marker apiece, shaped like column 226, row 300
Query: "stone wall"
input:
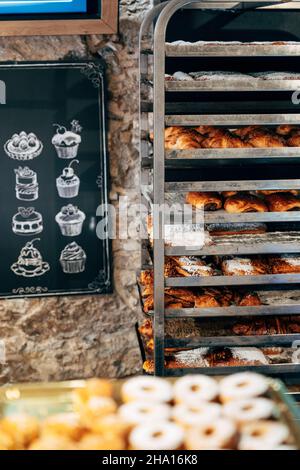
column 75, row 337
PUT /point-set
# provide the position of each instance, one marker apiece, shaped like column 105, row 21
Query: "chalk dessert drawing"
column 70, row 220
column 27, row 188
column 66, row 142
column 27, row 221
column 68, row 183
column 23, row 146
column 30, row 262
column 73, row 259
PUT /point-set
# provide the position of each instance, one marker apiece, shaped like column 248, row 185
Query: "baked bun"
column 223, row 230
column 283, row 202
column 284, row 264
column 244, row 267
column 206, row 201
column 241, row 203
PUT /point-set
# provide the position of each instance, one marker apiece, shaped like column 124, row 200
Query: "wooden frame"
column 108, row 24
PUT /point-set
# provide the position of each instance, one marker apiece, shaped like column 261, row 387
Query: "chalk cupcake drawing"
column 73, row 259
column 70, row 220
column 27, row 188
column 68, row 183
column 66, row 142
column 27, row 221
column 23, row 146
column 30, row 262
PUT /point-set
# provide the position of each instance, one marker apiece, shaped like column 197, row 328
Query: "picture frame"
column 56, row 189
column 101, row 17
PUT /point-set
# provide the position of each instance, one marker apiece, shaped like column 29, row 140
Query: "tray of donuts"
column 212, row 137
column 243, row 411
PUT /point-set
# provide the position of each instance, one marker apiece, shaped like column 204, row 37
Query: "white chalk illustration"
column 27, row 221
column 23, row 146
column 27, row 188
column 68, row 183
column 66, row 142
column 70, row 220
column 73, row 259
column 30, row 262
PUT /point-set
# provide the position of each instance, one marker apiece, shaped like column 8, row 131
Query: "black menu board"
column 53, row 180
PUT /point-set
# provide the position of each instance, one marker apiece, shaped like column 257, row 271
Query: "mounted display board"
column 58, row 17
column 53, row 179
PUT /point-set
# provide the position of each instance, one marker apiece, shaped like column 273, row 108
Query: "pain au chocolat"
column 208, row 201
column 243, row 202
column 283, row 202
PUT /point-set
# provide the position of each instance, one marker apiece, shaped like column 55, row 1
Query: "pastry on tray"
column 223, row 139
column 208, row 201
column 23, row 146
column 294, row 139
column 286, row 130
column 223, row 230
column 295, row 192
column 242, row 203
column 283, row 202
column 187, row 266
column 244, row 267
column 264, row 138
column 284, row 264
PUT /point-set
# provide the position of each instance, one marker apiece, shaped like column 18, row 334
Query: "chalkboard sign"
column 44, row 17
column 53, row 179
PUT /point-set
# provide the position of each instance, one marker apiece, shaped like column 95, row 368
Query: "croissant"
column 244, row 132
column 207, row 130
column 186, row 142
column 294, row 140
column 265, row 139
column 283, row 202
column 285, row 264
column 206, row 201
column 286, row 130
column 182, row 138
column 224, row 139
column 206, row 301
column 244, row 267
column 241, row 203
column 146, row 328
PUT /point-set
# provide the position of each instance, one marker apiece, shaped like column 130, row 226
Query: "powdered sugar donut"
column 195, row 388
column 220, row 434
column 245, row 411
column 147, row 389
column 138, row 412
column 189, row 415
column 243, row 385
column 268, row 434
column 157, row 436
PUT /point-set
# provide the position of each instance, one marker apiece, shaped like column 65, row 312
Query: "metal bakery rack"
column 180, row 171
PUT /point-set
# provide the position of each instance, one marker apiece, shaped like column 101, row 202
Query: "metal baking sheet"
column 232, row 85
column 232, row 280
column 231, row 119
column 232, row 50
column 233, row 341
column 233, row 154
column 233, row 185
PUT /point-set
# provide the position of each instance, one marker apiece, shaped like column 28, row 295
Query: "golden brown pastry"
column 283, row 202
column 146, row 277
column 241, row 203
column 206, row 301
column 250, row 299
column 245, row 132
column 229, row 193
column 264, row 139
column 286, row 130
column 146, row 329
column 182, row 138
column 206, row 201
column 225, row 357
column 224, row 139
column 244, row 267
column 284, row 264
column 207, row 130
column 294, row 140
column 192, row 266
